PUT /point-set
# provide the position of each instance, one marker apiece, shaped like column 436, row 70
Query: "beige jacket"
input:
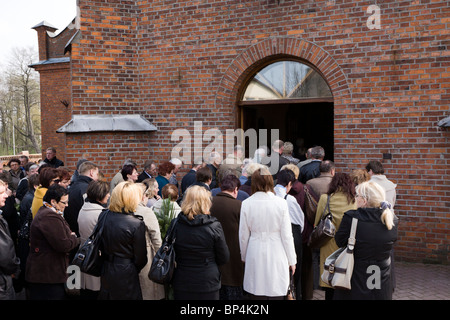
column 150, row 289
column 338, row 205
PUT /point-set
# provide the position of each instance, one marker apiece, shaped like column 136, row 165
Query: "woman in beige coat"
column 342, row 198
column 97, row 198
column 150, row 289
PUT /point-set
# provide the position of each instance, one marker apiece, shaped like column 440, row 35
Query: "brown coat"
column 228, row 211
column 51, row 240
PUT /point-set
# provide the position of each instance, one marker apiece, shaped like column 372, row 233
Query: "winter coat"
column 124, row 246
column 87, row 220
column 200, row 247
column 338, row 206
column 228, row 211
column 372, row 249
column 150, row 289
column 156, row 207
column 55, row 162
column 267, row 244
column 77, row 195
column 309, row 171
column 50, row 242
column 9, row 263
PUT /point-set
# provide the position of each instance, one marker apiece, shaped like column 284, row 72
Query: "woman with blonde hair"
column 152, row 191
column 123, row 243
column 376, row 233
column 150, row 289
column 200, row 248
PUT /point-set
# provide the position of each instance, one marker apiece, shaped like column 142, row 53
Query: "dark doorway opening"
column 303, row 124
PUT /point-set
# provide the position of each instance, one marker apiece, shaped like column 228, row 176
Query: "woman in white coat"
column 266, row 241
column 97, row 197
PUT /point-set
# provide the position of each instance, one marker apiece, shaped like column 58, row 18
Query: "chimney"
column 43, row 29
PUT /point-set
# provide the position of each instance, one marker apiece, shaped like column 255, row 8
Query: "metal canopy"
column 444, row 123
column 95, row 123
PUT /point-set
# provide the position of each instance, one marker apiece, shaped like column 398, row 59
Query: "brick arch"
column 256, row 55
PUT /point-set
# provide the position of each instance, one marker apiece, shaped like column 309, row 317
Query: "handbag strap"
column 352, row 238
column 172, row 231
column 327, row 206
column 99, row 226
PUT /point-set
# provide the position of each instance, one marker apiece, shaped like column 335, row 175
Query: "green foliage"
column 165, row 216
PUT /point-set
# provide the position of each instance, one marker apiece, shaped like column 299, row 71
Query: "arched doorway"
column 293, row 97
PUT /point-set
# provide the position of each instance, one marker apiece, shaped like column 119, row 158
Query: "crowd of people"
column 242, row 227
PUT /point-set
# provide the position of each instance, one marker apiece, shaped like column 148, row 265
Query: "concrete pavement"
column 416, row 281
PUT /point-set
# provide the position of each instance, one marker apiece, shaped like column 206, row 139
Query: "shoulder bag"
column 89, row 256
column 163, row 263
column 324, row 231
column 310, row 205
column 338, row 268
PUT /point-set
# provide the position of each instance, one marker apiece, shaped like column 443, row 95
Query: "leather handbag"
column 163, row 263
column 89, row 256
column 338, row 268
column 310, row 204
column 324, row 231
column 291, row 291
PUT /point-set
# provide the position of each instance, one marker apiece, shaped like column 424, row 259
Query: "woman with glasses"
column 50, row 242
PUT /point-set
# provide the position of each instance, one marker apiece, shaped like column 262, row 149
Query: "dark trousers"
column 297, row 233
column 47, row 291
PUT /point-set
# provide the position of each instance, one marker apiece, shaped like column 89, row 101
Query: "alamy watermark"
column 190, row 144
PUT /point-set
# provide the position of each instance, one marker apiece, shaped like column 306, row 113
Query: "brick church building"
column 367, row 80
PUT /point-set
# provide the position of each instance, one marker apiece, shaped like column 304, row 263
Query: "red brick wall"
column 176, row 62
column 55, row 87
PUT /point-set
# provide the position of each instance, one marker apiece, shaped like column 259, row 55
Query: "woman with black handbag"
column 123, row 245
column 50, row 242
column 341, row 198
column 375, row 236
column 200, row 248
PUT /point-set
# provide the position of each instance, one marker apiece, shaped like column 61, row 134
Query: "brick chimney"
column 43, row 29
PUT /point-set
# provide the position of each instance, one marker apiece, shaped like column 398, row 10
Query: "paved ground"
column 416, row 281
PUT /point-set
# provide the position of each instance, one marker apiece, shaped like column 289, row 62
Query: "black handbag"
column 324, row 231
column 163, row 263
column 89, row 256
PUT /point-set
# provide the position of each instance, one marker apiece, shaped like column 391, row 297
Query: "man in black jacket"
column 50, row 158
column 77, row 193
column 311, row 170
column 189, row 178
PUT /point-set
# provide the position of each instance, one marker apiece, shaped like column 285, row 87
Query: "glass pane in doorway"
column 286, row 80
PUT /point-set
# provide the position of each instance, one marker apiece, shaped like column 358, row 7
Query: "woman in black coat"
column 376, row 233
column 124, row 245
column 200, row 247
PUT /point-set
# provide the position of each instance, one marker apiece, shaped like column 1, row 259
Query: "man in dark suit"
column 77, row 193
column 189, row 178
column 276, row 158
column 148, row 172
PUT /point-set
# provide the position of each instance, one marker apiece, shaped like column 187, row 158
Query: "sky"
column 17, row 17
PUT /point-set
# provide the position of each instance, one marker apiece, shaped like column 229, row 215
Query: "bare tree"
column 19, row 102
